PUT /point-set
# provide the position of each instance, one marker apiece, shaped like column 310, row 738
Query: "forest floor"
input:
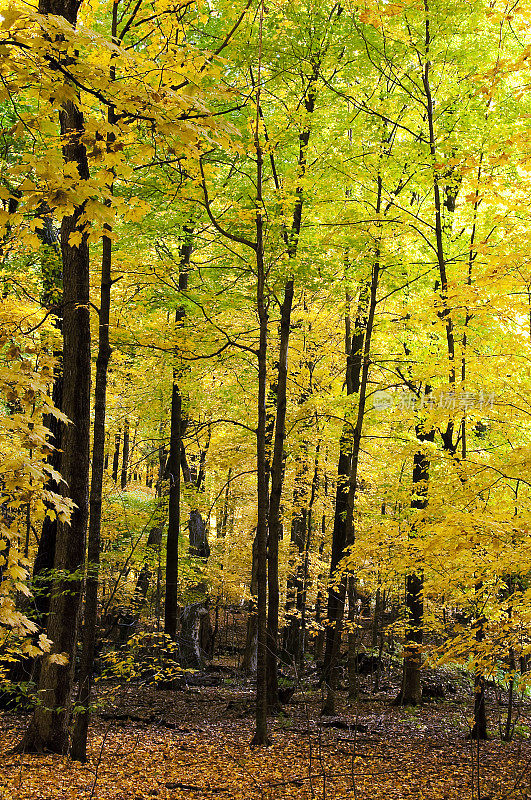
column 194, row 743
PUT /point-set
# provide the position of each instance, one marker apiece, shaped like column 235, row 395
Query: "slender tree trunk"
column 298, row 534
column 249, row 653
column 125, row 457
column 261, row 735
column 49, row 726
column 319, row 602
column 275, row 498
column 174, row 466
column 302, row 601
column 353, row 347
column 79, row 737
column 329, row 704
column 291, row 240
column 411, row 691
column 116, row 456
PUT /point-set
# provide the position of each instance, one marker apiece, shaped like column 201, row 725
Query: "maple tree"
column 293, row 241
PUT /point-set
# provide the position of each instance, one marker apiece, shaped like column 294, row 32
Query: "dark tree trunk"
column 199, row 546
column 174, row 515
column 291, row 240
column 174, row 464
column 299, row 524
column 305, row 564
column 479, row 729
column 329, row 704
column 275, row 498
column 354, row 345
column 353, row 642
column 411, row 691
column 79, row 739
column 125, row 456
column 261, row 736
column 48, row 728
column 249, row 653
column 51, row 299
column 116, row 456
column 319, row 601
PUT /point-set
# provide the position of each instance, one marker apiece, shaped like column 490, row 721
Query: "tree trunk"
column 261, row 736
column 48, row 728
column 249, row 653
column 79, row 738
column 302, row 600
column 411, row 691
column 352, row 662
column 353, row 347
column 479, row 729
column 298, row 531
column 174, row 514
column 319, row 602
column 275, row 498
column 125, row 457
column 329, row 704
column 116, row 456
column 174, row 463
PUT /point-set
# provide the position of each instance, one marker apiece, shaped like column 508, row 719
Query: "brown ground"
column 194, row 744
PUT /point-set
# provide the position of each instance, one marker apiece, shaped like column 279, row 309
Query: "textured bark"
column 305, row 563
column 116, row 456
column 48, row 728
column 291, row 239
column 125, row 456
column 353, row 347
column 292, row 630
column 174, row 515
column 88, row 648
column 174, row 467
column 261, row 736
column 411, row 691
column 249, row 653
column 479, row 729
column 274, row 523
column 195, row 638
column 329, row 704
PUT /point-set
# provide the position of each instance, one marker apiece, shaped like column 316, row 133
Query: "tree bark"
column 174, row 466
column 353, row 347
column 116, row 456
column 274, row 523
column 125, row 457
column 249, row 653
column 48, row 728
column 261, row 735
column 88, row 648
column 79, row 738
column 329, row 704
